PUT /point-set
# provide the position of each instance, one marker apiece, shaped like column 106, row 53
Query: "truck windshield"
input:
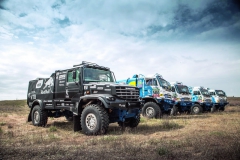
column 97, row 75
column 164, row 84
column 220, row 93
column 205, row 92
column 182, row 89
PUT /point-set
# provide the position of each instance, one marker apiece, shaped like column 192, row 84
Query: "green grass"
column 2, row 123
column 1, row 130
column 52, row 128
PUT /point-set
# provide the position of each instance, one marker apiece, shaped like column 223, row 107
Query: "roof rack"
column 157, row 74
column 90, row 64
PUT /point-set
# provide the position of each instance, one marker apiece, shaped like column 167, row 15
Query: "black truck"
column 87, row 93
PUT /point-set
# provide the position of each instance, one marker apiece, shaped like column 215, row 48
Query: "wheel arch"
column 149, row 99
column 35, row 102
column 86, row 100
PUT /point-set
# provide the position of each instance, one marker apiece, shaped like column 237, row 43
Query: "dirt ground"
column 205, row 136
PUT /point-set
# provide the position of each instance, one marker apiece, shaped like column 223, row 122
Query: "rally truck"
column 219, row 99
column 201, row 99
column 182, row 98
column 155, row 92
column 89, row 94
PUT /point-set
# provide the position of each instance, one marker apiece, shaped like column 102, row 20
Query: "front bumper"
column 126, row 105
column 184, row 103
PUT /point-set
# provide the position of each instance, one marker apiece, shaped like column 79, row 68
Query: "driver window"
column 70, row 76
column 195, row 92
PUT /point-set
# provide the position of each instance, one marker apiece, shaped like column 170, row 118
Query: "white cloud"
column 115, row 35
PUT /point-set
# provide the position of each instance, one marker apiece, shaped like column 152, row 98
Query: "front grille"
column 127, row 93
column 208, row 101
column 186, row 99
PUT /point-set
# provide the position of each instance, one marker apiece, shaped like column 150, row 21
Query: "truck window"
column 97, row 75
column 196, row 93
column 70, row 76
column 212, row 93
column 173, row 89
column 152, row 82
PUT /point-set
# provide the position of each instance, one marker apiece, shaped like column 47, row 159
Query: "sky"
column 194, row 42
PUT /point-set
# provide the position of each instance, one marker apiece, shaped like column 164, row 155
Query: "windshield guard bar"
column 158, row 75
column 89, row 64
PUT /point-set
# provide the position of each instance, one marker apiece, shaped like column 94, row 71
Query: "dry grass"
column 205, row 136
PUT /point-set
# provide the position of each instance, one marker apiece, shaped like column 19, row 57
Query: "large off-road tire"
column 130, row 122
column 221, row 108
column 174, row 111
column 196, row 109
column 151, row 110
column 39, row 116
column 94, row 120
column 213, row 109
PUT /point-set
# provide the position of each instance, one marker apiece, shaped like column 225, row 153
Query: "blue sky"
column 195, row 42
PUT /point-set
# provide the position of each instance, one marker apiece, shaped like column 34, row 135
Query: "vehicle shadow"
column 189, row 116
column 144, row 128
column 64, row 125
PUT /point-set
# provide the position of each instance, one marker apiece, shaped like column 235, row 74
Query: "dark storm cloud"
column 189, row 21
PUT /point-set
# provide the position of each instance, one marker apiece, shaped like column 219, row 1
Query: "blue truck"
column 201, row 99
column 155, row 92
column 219, row 99
column 182, row 98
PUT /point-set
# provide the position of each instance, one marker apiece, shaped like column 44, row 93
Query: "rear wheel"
column 39, row 116
column 94, row 120
column 151, row 110
column 196, row 109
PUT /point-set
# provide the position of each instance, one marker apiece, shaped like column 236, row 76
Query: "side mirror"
column 74, row 74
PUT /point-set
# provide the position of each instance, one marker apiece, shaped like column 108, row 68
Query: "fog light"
column 111, row 98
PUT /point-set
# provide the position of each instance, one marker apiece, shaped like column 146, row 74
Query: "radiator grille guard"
column 127, row 93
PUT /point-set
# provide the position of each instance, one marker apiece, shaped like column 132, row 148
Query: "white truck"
column 201, row 99
column 182, row 98
column 219, row 98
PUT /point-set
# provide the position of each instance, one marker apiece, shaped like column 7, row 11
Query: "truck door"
column 73, row 85
column 60, row 85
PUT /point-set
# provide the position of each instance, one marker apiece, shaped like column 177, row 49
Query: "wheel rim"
column 91, row 121
column 195, row 109
column 149, row 111
column 36, row 117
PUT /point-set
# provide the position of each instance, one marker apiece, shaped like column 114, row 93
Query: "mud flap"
column 29, row 117
column 76, row 123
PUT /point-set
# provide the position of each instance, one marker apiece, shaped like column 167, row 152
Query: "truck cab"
column 89, row 94
column 201, row 99
column 155, row 92
column 219, row 98
column 182, row 98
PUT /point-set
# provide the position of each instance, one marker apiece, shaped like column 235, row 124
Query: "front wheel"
column 174, row 111
column 213, row 109
column 94, row 120
column 221, row 108
column 39, row 116
column 151, row 110
column 130, row 122
column 196, row 109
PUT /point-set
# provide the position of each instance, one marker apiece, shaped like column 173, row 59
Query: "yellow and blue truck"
column 155, row 92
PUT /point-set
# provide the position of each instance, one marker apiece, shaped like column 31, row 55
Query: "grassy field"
column 205, row 136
